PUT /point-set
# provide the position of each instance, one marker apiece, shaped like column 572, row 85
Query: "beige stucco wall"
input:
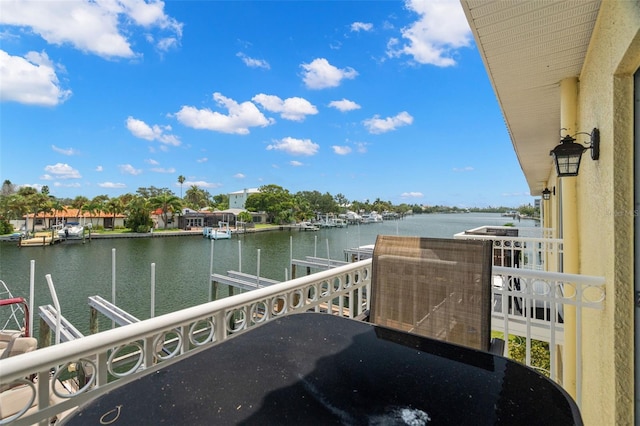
column 605, row 213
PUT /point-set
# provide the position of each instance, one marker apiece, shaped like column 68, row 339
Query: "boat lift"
column 49, row 315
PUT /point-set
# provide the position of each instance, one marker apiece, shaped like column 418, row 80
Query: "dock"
column 241, row 280
column 49, row 321
column 111, row 311
column 317, row 263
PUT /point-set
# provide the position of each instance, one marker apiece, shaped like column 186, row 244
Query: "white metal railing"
column 534, row 305
column 190, row 330
column 341, row 291
column 526, row 247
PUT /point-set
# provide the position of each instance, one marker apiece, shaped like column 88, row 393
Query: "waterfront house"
column 60, row 217
column 566, row 68
column 238, row 199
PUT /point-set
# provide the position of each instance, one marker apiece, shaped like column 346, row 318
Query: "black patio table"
column 322, row 369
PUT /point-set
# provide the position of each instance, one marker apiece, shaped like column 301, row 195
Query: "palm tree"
column 57, row 206
column 78, row 203
column 34, row 202
column 166, row 202
column 196, row 197
column 181, row 180
column 114, row 206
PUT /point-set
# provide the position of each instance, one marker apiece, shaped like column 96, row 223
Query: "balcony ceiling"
column 528, row 47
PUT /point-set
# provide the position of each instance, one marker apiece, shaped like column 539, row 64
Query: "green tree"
column 167, row 203
column 196, row 198
column 342, row 202
column 57, row 206
column 245, row 217
column 138, row 218
column 78, row 203
column 14, row 206
column 34, row 201
column 151, row 192
column 221, row 201
column 274, row 200
column 115, row 207
column 317, row 202
column 302, row 209
column 95, row 206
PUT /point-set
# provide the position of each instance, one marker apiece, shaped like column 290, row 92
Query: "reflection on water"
column 182, row 263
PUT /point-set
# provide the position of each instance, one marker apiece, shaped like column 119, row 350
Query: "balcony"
column 529, row 305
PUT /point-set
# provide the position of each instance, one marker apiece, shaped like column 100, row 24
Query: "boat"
column 222, row 232
column 373, row 217
column 351, row 217
column 340, row 223
column 307, row 226
column 71, row 231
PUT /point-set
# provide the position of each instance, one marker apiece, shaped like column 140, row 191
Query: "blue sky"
column 380, row 99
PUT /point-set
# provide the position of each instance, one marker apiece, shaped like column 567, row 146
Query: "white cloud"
column 295, row 163
column 412, row 195
column 97, row 27
column 378, row 125
column 151, row 161
column 129, row 169
column 361, row 147
column 163, row 170
column 202, row 184
column 142, row 130
column 344, row 105
column 99, row 169
column 240, row 118
column 252, row 62
column 341, row 150
column 463, row 169
column 433, row 39
column 295, row 109
column 320, row 74
column 361, row 26
column 239, row 176
column 202, row 160
column 31, row 80
column 61, row 171
column 67, row 185
column 111, row 185
column 295, row 146
column 68, row 151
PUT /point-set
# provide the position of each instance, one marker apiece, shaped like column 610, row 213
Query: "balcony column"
column 570, row 263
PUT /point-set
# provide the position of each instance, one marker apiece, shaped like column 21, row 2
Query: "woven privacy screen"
column 439, row 288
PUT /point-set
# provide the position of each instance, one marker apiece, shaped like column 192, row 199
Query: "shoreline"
column 162, row 234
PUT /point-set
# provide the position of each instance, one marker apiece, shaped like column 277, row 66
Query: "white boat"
column 372, row 217
column 340, row 223
column 222, row 232
column 71, row 231
column 307, row 226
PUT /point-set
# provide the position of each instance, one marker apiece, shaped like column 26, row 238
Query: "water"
column 182, row 263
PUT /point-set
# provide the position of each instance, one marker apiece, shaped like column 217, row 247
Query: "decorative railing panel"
column 526, row 247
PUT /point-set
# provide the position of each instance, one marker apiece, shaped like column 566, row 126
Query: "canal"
column 182, row 263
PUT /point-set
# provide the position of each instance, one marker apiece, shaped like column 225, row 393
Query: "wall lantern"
column 546, row 194
column 567, row 155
